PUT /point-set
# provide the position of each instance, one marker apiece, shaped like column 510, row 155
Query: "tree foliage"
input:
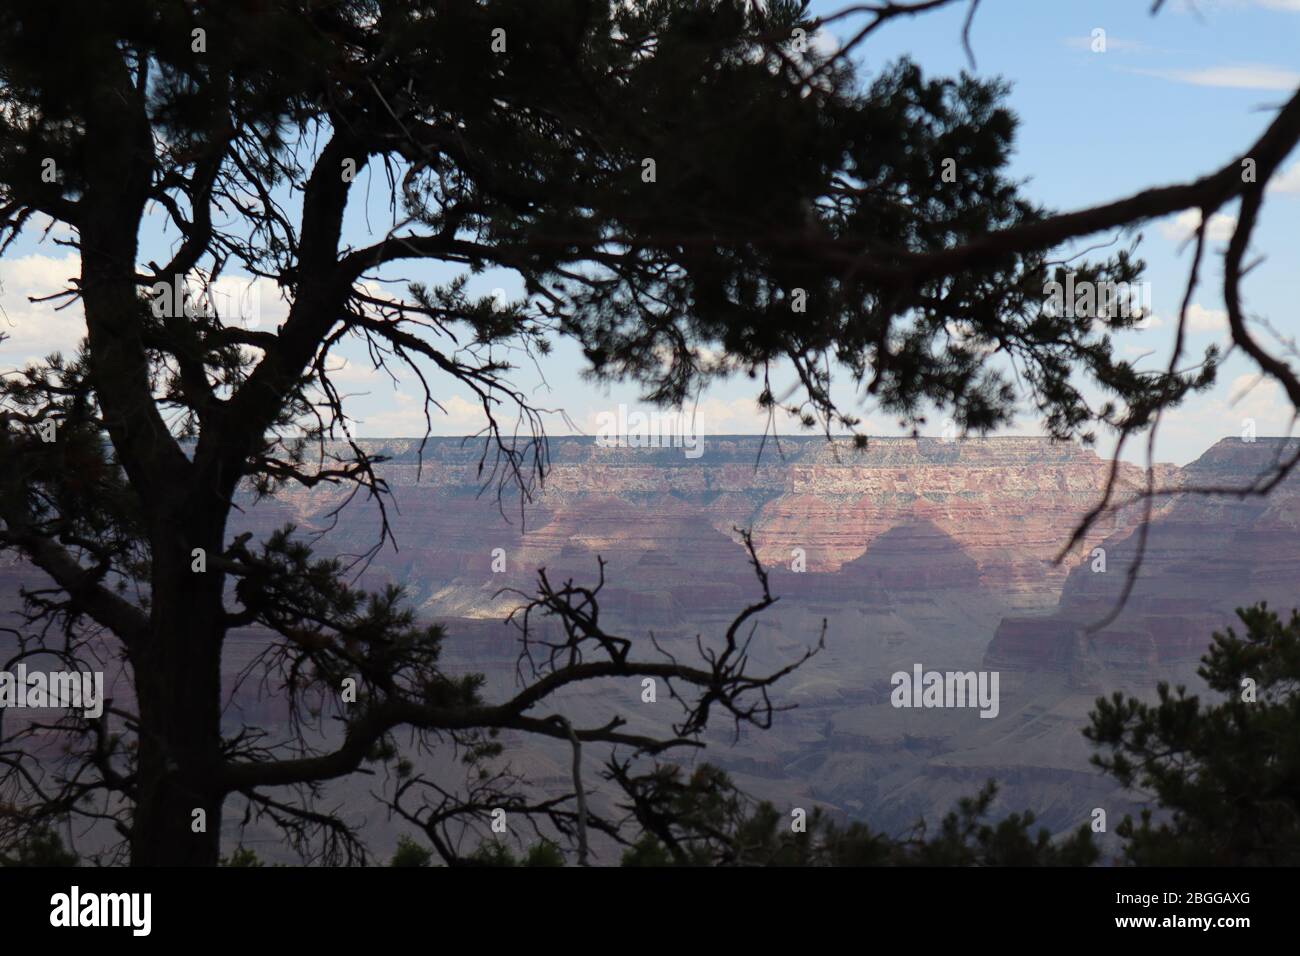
column 42, row 847
column 702, row 819
column 1225, row 774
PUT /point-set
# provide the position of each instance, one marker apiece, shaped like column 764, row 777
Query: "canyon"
column 948, row 553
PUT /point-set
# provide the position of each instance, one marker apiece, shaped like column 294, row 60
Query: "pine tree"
column 1225, row 774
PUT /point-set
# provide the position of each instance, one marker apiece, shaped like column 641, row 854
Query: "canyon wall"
column 1205, row 555
column 901, row 515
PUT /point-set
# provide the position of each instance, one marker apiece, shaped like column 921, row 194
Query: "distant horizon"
column 837, row 437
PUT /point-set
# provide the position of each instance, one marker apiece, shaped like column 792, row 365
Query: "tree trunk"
column 177, row 663
column 178, row 684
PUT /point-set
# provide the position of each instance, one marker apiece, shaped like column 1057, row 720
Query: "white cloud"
column 1260, row 398
column 1201, row 319
column 962, row 332
column 825, row 42
column 253, row 303
column 33, row 330
column 739, row 416
column 1183, row 226
column 1147, row 322
column 1186, row 432
column 343, row 371
column 1242, row 77
column 1287, row 181
column 404, row 417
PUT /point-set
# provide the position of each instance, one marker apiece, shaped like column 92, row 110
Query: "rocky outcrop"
column 910, row 562
column 1206, row 554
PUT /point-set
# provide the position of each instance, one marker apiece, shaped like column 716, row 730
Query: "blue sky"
column 1174, row 96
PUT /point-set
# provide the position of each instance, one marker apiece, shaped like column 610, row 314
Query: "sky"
column 1172, row 97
